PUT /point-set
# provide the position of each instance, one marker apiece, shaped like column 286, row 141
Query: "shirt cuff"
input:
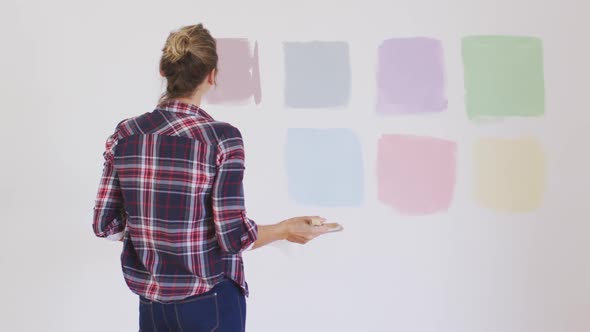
column 249, row 247
column 116, row 236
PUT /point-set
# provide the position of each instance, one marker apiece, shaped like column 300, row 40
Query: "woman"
column 171, row 190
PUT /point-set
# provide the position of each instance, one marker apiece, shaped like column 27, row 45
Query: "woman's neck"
column 194, row 100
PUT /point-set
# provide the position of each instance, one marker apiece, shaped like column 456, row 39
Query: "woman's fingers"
column 304, row 229
column 334, row 227
column 327, row 228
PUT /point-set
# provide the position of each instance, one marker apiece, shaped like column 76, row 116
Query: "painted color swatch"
column 324, row 167
column 509, row 174
column 410, row 76
column 503, row 76
column 317, row 74
column 416, row 175
column 238, row 78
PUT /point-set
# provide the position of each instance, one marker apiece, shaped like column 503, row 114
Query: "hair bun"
column 177, row 46
column 188, row 56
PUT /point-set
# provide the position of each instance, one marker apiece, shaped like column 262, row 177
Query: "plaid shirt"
column 172, row 183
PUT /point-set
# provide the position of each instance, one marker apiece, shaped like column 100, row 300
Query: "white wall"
column 71, row 70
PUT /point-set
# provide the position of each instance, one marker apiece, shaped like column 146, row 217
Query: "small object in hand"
column 317, row 221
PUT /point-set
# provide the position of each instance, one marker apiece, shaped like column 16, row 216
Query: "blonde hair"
column 189, row 55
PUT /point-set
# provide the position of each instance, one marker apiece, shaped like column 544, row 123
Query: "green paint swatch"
column 503, row 76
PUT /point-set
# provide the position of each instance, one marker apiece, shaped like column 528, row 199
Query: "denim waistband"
column 223, row 283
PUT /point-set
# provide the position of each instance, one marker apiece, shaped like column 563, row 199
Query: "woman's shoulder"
column 128, row 126
column 225, row 131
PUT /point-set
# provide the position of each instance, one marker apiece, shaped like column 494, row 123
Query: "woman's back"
column 179, row 179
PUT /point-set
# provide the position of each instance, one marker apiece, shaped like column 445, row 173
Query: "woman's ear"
column 162, row 73
column 211, row 77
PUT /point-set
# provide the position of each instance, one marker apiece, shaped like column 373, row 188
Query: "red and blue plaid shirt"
column 172, row 184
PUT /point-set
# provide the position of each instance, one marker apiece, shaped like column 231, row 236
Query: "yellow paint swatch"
column 509, row 174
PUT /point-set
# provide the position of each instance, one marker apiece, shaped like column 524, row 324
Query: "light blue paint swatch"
column 317, row 74
column 324, row 167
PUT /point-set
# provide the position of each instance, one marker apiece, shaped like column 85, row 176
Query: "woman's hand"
column 297, row 230
column 301, row 230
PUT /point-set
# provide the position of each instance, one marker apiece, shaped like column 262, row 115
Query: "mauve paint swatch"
column 410, row 76
column 239, row 75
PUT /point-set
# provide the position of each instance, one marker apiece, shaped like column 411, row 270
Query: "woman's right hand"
column 301, row 230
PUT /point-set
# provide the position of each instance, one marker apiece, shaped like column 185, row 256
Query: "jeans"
column 222, row 309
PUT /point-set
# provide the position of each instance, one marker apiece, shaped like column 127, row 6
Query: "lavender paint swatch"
column 238, row 79
column 317, row 74
column 410, row 76
column 324, row 167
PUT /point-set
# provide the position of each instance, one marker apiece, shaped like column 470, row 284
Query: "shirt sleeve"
column 234, row 230
column 109, row 214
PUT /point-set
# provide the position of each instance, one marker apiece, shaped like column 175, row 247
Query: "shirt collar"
column 182, row 107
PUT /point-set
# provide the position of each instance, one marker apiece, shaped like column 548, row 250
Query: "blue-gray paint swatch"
column 317, row 74
column 324, row 167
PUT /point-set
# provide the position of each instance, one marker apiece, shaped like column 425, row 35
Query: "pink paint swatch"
column 416, row 175
column 410, row 76
column 238, row 78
